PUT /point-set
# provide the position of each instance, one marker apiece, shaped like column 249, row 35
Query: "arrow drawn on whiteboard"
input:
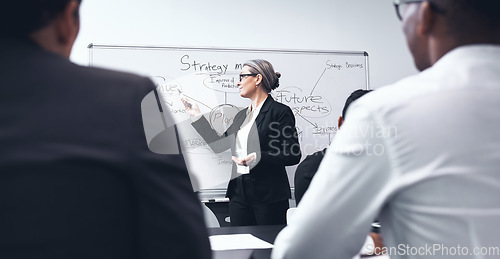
column 314, row 124
column 317, row 81
column 189, row 97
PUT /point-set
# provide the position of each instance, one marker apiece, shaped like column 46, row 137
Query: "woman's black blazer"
column 273, row 137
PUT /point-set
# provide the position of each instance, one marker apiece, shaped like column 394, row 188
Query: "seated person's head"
column 353, row 97
column 432, row 28
column 52, row 24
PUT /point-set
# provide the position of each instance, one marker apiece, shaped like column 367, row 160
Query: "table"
column 266, row 233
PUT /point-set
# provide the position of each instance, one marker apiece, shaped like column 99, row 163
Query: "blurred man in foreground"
column 423, row 152
column 77, row 179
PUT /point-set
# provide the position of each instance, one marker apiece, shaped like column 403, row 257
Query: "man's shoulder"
column 114, row 78
column 103, row 83
column 315, row 157
column 397, row 94
column 444, row 76
column 23, row 54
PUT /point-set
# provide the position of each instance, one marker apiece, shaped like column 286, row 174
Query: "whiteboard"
column 314, row 84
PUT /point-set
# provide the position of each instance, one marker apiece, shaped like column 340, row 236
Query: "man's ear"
column 426, row 18
column 68, row 24
column 340, row 122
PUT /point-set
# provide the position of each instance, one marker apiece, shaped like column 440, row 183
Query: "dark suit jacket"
column 76, row 177
column 305, row 172
column 273, row 138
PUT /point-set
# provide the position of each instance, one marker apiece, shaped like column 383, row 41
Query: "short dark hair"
column 466, row 18
column 270, row 79
column 22, row 17
column 353, row 97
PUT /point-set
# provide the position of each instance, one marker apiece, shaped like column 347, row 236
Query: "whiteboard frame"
column 218, row 195
column 92, row 46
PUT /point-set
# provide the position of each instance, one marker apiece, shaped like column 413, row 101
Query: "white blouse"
column 242, row 136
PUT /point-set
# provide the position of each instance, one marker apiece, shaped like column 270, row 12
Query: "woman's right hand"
column 191, row 107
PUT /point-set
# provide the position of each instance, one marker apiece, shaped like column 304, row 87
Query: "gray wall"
column 369, row 25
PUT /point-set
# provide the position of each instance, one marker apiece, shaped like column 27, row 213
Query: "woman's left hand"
column 245, row 161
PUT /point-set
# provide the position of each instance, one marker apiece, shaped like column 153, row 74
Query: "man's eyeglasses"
column 398, row 4
column 245, row 75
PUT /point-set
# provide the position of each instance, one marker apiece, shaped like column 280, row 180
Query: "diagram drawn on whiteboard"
column 314, row 84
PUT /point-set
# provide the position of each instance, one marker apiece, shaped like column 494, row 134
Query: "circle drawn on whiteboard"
column 222, row 116
column 306, row 103
column 225, row 83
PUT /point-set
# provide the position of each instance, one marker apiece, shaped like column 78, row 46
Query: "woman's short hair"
column 270, row 79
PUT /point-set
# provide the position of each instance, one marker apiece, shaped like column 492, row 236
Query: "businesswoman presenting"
column 263, row 140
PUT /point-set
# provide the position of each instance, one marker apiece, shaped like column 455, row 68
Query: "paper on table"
column 237, row 241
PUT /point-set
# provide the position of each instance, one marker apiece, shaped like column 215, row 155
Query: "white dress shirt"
column 424, row 153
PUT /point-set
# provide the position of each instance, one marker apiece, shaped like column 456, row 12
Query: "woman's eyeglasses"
column 245, row 75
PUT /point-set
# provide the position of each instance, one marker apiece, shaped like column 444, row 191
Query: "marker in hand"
column 191, row 108
column 188, row 104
